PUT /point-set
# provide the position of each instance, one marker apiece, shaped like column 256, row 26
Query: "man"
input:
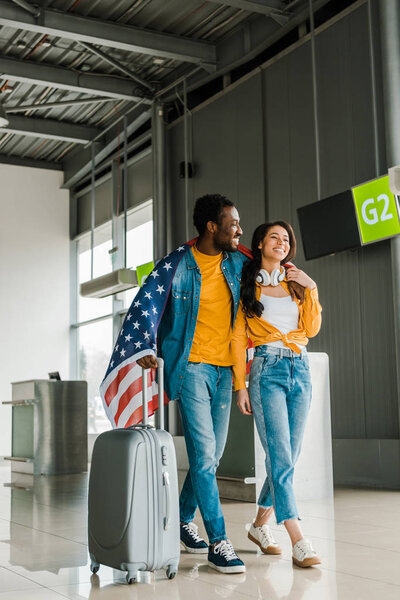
column 194, row 341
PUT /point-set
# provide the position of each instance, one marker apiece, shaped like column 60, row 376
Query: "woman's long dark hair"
column 251, row 306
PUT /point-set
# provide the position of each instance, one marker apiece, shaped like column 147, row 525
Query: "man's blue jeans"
column 280, row 396
column 204, row 404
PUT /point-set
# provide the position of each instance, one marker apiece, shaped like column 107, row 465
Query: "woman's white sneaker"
column 304, row 554
column 262, row 536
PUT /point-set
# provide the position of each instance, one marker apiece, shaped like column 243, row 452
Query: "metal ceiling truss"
column 106, row 33
column 239, row 46
column 63, row 78
column 29, row 162
column 268, row 8
column 115, row 63
column 60, row 104
column 50, row 129
column 78, row 165
column 249, row 42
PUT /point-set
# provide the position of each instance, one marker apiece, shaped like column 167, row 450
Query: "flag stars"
column 148, row 295
column 138, row 344
column 181, row 248
column 160, row 289
column 137, row 303
column 128, row 337
column 167, row 266
column 153, row 308
column 145, row 313
column 154, row 274
column 128, row 317
column 123, row 352
column 116, row 348
column 112, row 363
column 146, row 335
column 135, row 325
column 154, row 346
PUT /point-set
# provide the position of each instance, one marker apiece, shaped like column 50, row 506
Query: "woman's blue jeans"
column 280, row 396
column 205, row 404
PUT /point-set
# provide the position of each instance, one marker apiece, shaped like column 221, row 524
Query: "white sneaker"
column 262, row 536
column 304, row 554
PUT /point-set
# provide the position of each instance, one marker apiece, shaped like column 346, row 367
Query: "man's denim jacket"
column 176, row 330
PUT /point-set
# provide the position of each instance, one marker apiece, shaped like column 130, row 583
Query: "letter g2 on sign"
column 377, row 210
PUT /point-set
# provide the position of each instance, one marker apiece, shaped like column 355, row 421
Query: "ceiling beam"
column 50, row 129
column 29, row 162
column 235, row 51
column 106, row 33
column 117, row 65
column 262, row 7
column 49, row 105
column 60, row 77
column 77, row 166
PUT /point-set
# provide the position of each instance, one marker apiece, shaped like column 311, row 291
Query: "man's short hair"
column 209, row 208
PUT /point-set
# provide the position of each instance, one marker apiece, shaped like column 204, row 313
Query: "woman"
column 279, row 311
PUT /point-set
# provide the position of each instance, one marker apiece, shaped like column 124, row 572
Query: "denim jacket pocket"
column 180, row 301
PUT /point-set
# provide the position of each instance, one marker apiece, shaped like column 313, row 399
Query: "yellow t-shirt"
column 211, row 341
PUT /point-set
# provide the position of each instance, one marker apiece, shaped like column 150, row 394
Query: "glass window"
column 90, row 308
column 95, row 347
column 139, row 242
column 95, row 339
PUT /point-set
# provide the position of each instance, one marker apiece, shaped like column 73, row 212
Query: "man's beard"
column 226, row 246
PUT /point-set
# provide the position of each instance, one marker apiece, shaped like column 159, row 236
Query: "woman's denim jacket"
column 176, row 331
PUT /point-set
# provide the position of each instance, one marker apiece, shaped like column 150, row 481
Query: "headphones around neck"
column 277, row 275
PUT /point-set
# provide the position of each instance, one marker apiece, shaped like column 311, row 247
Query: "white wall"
column 34, row 281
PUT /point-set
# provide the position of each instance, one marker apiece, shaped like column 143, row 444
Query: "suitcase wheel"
column 171, row 572
column 131, row 578
column 94, row 566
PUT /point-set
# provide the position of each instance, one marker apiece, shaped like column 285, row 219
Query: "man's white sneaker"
column 304, row 554
column 262, row 536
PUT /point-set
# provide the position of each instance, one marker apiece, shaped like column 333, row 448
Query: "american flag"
column 121, row 388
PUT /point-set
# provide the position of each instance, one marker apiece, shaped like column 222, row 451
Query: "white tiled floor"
column 43, row 553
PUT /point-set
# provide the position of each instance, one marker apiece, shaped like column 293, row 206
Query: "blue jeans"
column 280, row 396
column 204, row 403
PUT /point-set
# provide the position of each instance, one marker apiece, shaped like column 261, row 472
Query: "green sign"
column 377, row 210
column 142, row 271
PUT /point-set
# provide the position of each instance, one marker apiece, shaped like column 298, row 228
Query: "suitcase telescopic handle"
column 160, row 363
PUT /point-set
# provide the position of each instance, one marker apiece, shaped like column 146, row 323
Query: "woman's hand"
column 243, row 402
column 294, row 274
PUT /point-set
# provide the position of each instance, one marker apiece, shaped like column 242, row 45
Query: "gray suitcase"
column 133, row 498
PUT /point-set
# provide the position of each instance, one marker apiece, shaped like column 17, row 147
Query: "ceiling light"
column 158, row 61
column 86, row 67
column 21, row 44
column 4, row 121
column 46, row 43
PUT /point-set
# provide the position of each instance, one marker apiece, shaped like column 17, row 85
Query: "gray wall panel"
column 355, row 286
column 277, row 140
column 227, row 157
column 381, row 409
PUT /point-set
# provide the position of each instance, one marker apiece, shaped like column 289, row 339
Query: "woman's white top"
column 282, row 313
